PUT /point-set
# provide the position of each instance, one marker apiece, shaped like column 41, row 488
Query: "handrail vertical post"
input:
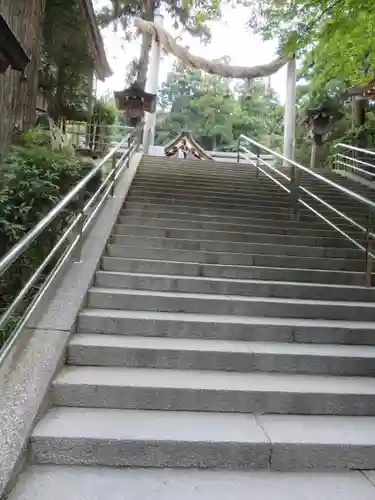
column 139, row 135
column 257, row 164
column 294, row 193
column 77, row 253
column 369, row 246
column 130, row 140
column 113, row 169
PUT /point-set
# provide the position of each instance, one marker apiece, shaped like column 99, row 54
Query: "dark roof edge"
column 102, row 66
column 187, row 135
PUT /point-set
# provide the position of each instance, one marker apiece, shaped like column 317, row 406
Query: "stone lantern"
column 134, row 101
column 11, row 52
column 319, row 122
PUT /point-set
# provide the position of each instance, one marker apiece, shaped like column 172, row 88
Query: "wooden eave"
column 366, row 92
column 101, row 63
column 190, row 141
column 12, row 48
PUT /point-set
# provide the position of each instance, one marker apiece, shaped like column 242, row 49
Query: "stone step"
column 235, row 272
column 120, row 438
column 267, row 196
column 249, row 200
column 236, row 173
column 258, row 288
column 186, row 184
column 247, row 179
column 272, row 248
column 114, row 298
column 210, row 326
column 236, row 259
column 245, row 176
column 244, row 180
column 217, row 212
column 212, row 202
column 233, row 213
column 167, row 164
column 259, row 235
column 261, row 186
column 215, row 179
column 219, row 196
column 217, row 170
column 123, row 438
column 203, row 354
column 93, row 483
column 208, row 183
column 256, row 224
column 249, row 205
column 213, row 391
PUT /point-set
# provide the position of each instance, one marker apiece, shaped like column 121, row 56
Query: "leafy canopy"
column 336, row 37
column 192, row 15
column 214, row 111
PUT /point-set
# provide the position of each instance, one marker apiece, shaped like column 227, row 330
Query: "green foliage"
column 214, row 112
column 105, row 112
column 67, row 62
column 191, row 15
column 335, row 37
column 33, row 180
column 36, row 136
column 363, row 134
column 334, row 41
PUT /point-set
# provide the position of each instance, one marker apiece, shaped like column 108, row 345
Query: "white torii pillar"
column 152, row 86
column 290, row 111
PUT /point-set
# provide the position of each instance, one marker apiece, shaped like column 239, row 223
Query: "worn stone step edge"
column 228, row 355
column 235, row 258
column 153, row 266
column 250, row 225
column 228, row 286
column 261, row 235
column 196, row 303
column 269, row 197
column 269, row 248
column 227, row 204
column 93, row 483
column 214, row 209
column 209, row 326
column 121, row 438
column 216, row 391
column 235, row 224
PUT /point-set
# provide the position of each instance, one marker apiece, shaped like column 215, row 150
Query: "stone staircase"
column 219, row 334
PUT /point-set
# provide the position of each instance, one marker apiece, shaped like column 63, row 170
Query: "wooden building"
column 69, row 34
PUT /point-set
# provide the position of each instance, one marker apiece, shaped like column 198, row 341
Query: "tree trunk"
column 18, row 93
column 316, row 152
column 144, row 57
column 359, row 111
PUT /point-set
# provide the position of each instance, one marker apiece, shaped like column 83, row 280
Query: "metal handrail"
column 294, row 189
column 354, row 148
column 353, row 162
column 76, row 229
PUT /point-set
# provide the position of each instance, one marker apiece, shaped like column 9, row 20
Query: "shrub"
column 32, row 180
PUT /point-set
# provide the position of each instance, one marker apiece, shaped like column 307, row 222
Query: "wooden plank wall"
column 17, row 93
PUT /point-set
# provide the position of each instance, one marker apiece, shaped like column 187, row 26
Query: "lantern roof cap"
column 134, row 92
column 308, row 115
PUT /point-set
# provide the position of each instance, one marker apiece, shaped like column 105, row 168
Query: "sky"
column 230, row 37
